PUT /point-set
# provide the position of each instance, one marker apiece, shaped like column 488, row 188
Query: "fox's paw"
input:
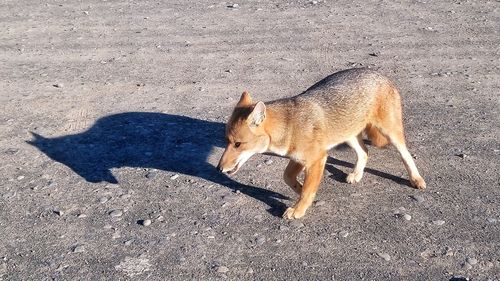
column 353, row 177
column 418, row 183
column 292, row 213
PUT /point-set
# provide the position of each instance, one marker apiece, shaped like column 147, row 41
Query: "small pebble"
column 107, row 226
column 250, row 271
column 268, row 161
column 116, row 213
column 284, row 227
column 146, row 222
column 385, row 256
column 174, row 177
column 471, row 261
column 233, row 5
column 343, row 234
column 222, row 269
column 20, row 178
column 418, row 198
column 407, row 217
column 438, row 222
column 125, row 196
column 462, row 155
column 449, row 252
column 81, row 216
column 150, row 175
column 296, row 224
column 320, row 203
column 116, row 235
column 260, row 241
column 58, row 85
column 103, row 200
column 427, row 254
column 58, row 212
column 258, row 218
column 79, row 249
column 128, row 242
column 160, row 218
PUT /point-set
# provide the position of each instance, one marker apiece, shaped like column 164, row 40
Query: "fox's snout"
column 224, row 162
column 219, row 168
column 231, row 160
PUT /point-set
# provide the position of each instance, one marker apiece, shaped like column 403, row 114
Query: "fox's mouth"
column 239, row 162
column 234, row 170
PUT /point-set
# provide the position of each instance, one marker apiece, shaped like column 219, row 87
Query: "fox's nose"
column 219, row 168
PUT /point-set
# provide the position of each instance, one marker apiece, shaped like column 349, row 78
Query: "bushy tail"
column 376, row 136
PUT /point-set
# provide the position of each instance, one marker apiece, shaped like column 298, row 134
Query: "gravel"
column 131, row 104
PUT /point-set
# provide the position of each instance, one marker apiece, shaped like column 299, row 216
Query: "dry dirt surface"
column 112, row 121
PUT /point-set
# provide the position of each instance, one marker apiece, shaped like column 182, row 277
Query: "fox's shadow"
column 166, row 142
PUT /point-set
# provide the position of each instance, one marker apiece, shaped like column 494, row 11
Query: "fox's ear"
column 258, row 114
column 245, row 100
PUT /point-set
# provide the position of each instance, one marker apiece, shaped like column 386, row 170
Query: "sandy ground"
column 127, row 103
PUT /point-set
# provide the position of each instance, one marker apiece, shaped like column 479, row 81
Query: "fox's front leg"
column 313, row 175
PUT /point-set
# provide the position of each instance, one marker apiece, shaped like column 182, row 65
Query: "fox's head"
column 245, row 134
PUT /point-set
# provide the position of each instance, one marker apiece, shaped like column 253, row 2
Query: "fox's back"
column 356, row 87
column 341, row 103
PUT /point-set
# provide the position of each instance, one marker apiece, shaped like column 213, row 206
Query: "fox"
column 340, row 108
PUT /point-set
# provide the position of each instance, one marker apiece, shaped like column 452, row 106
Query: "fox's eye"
column 237, row 144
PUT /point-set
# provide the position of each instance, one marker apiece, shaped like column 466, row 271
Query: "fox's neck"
column 276, row 126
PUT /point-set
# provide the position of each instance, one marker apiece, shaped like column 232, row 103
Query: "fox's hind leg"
column 292, row 170
column 388, row 119
column 362, row 157
column 397, row 139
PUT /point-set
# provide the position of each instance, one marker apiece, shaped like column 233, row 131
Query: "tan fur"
column 303, row 128
column 376, row 137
